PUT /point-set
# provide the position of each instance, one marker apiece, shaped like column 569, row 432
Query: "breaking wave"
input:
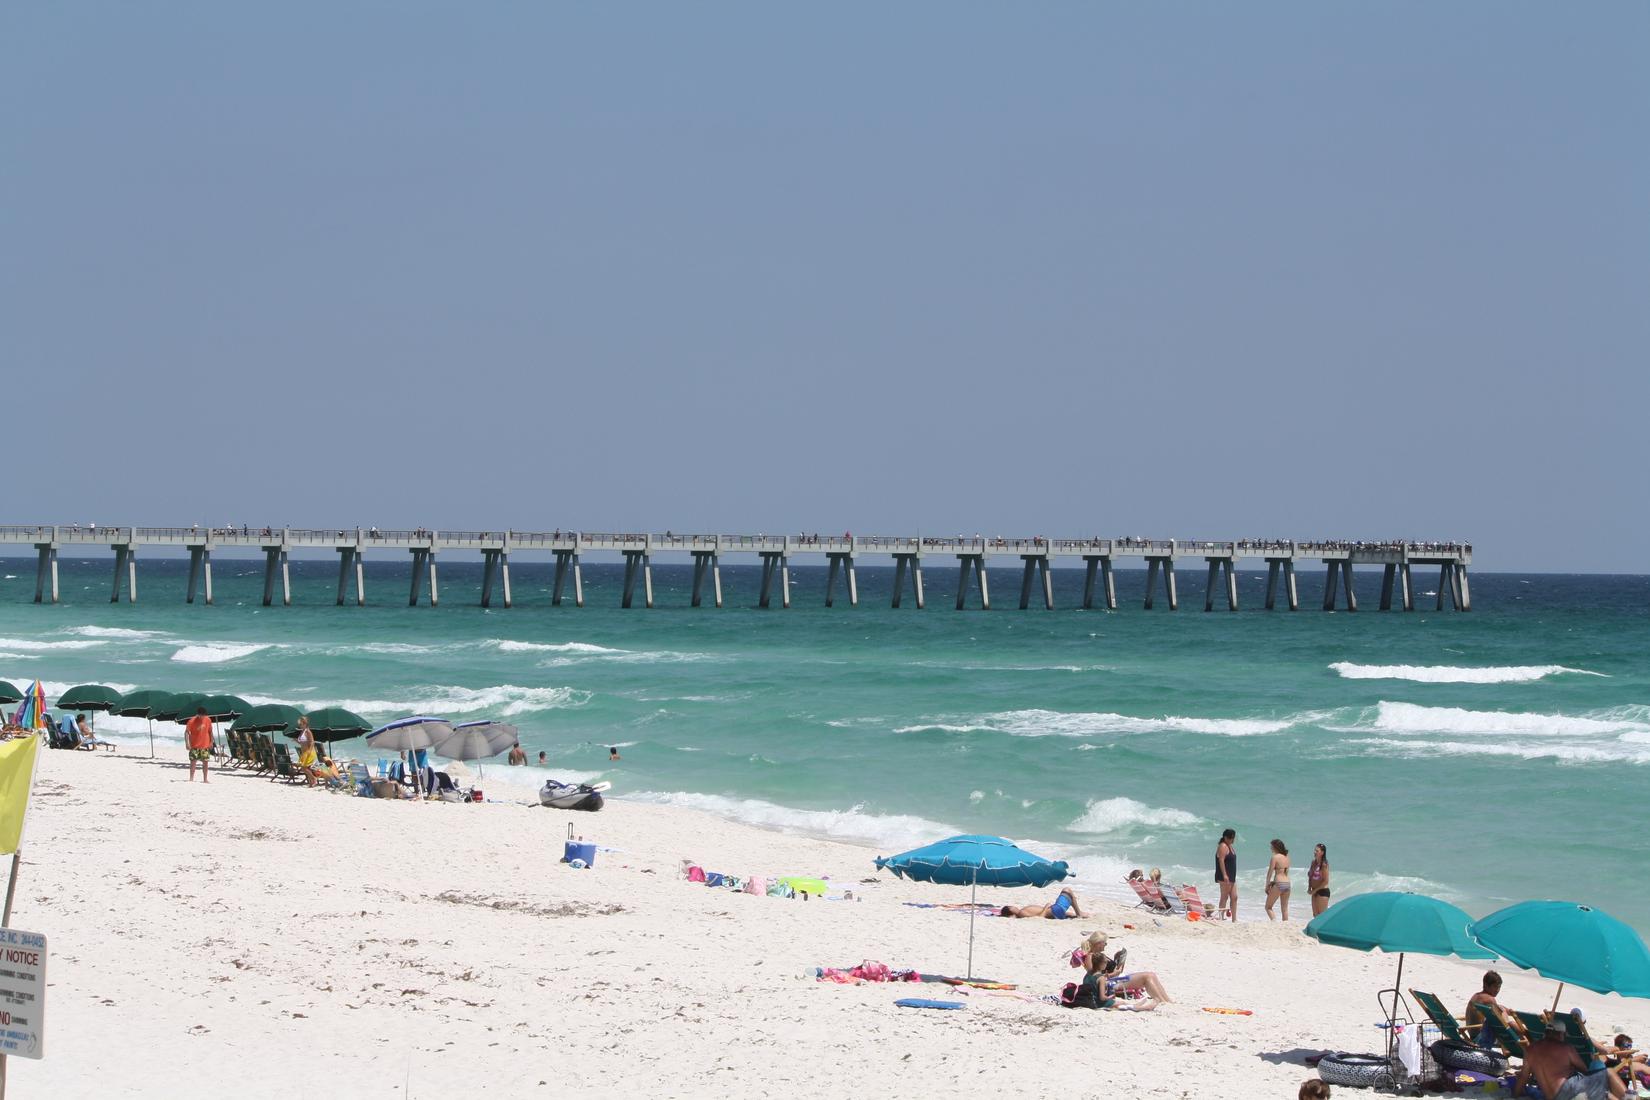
column 31, row 644
column 890, row 831
column 1414, row 718
column 218, row 652
column 1050, row 723
column 1116, row 814
column 1451, row 674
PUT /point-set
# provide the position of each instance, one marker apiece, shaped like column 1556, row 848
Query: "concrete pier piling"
column 841, row 555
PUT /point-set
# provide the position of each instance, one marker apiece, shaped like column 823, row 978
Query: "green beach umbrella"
column 179, row 708
column 9, row 692
column 1571, row 944
column 1394, row 921
column 330, row 724
column 221, row 708
column 143, row 704
column 89, row 697
column 266, row 718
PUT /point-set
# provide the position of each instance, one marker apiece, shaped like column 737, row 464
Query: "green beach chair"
column 285, row 767
column 1456, row 1050
column 1575, row 1033
column 1505, row 1037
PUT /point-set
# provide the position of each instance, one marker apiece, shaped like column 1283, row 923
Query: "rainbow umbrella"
column 31, row 715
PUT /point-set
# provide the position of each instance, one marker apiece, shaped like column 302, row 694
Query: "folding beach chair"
column 1575, row 1033
column 1193, row 903
column 1456, row 1036
column 1505, row 1037
column 1139, row 888
column 1172, row 901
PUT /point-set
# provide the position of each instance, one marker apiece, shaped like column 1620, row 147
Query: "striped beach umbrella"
column 31, row 714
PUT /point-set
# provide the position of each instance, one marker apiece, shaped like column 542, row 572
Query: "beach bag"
column 386, row 788
column 696, row 874
column 714, row 878
column 1084, row 995
column 755, row 885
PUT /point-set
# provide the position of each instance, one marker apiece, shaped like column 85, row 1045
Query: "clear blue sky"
column 1198, row 270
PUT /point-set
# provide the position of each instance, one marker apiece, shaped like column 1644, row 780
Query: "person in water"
column 1226, row 874
column 1277, row 880
column 1060, row 908
column 1317, row 879
column 613, row 752
column 518, row 755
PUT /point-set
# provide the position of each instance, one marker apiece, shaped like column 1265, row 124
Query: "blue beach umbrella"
column 972, row 860
column 1571, row 944
column 410, row 735
column 1395, row 921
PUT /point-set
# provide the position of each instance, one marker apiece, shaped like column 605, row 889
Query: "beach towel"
column 924, row 1002
column 714, row 878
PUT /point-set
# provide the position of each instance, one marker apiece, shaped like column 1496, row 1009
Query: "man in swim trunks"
column 1062, row 908
column 1559, row 1070
column 1483, row 1002
column 197, row 736
column 518, row 755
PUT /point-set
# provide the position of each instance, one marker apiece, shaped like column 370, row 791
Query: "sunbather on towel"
column 1485, row 1001
column 1096, row 961
column 1060, row 908
column 1554, row 1065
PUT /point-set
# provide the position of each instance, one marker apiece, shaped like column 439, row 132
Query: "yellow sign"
column 16, row 777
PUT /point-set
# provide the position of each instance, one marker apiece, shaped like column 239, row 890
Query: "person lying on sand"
column 1060, row 908
column 1096, row 961
column 1554, row 1065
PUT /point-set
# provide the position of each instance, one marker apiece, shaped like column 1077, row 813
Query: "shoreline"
column 361, row 945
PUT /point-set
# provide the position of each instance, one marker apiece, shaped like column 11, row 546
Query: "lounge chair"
column 1456, row 1050
column 1505, row 1037
column 1193, row 903
column 1575, row 1032
column 361, row 778
column 1172, row 902
column 1147, row 901
column 284, row 767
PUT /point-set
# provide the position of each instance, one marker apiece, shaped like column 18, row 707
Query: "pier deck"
column 840, row 553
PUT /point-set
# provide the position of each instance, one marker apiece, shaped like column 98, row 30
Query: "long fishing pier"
column 775, row 552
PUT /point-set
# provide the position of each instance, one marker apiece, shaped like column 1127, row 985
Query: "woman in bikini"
column 1060, row 908
column 1317, row 879
column 1277, row 880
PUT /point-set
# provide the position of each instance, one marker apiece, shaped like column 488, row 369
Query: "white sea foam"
column 506, row 645
column 1452, row 674
column 1115, row 814
column 211, row 653
column 19, row 656
column 890, row 831
column 111, row 632
column 1050, row 723
column 503, row 700
column 1603, row 752
column 28, row 645
column 1393, row 717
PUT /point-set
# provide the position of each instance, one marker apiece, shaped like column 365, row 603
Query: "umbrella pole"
column 1557, row 995
column 973, row 893
column 151, row 722
column 1392, row 1019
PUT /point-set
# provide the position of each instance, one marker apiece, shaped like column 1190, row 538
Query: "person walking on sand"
column 197, row 736
column 307, row 758
column 1277, row 880
column 1226, row 874
column 1317, row 879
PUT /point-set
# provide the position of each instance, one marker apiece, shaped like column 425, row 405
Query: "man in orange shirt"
column 198, row 736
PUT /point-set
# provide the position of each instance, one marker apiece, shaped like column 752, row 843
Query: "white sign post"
column 22, row 994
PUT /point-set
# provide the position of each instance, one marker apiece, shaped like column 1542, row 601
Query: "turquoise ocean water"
column 1485, row 757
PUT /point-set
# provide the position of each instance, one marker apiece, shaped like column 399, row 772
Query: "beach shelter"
column 142, row 704
column 1396, row 921
column 31, row 710
column 330, row 724
column 9, row 693
column 266, row 718
column 972, row 861
column 476, row 740
column 89, row 697
column 410, row 735
column 1571, row 944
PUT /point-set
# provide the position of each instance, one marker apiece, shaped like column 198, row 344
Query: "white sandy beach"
column 279, row 941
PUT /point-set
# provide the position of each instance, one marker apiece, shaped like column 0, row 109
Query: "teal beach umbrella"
column 1392, row 921
column 9, row 692
column 1571, row 944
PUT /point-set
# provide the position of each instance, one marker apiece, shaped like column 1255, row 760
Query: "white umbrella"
column 409, row 735
column 476, row 740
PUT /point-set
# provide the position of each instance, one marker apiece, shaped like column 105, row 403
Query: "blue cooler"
column 576, row 849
